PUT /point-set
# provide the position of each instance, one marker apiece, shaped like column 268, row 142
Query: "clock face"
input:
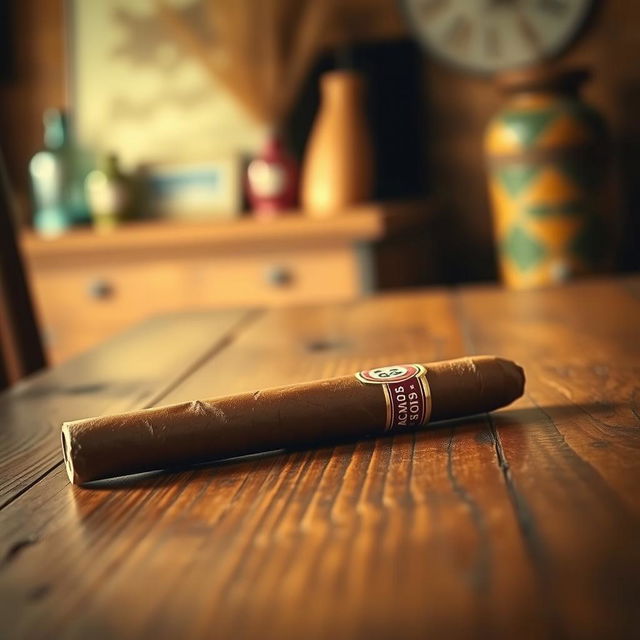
column 492, row 35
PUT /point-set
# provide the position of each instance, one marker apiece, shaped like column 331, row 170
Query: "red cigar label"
column 406, row 391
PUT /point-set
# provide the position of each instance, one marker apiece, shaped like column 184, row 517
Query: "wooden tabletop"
column 525, row 522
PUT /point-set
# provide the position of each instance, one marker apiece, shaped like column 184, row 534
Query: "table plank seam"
column 533, row 544
column 526, row 522
column 482, row 563
column 585, row 464
column 526, row 525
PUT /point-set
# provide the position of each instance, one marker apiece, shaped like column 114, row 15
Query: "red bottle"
column 272, row 180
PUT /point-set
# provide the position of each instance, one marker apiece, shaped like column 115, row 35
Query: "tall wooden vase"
column 338, row 168
column 546, row 164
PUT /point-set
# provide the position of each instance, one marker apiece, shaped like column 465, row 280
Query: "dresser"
column 88, row 286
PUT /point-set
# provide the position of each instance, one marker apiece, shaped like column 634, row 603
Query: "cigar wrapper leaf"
column 384, row 400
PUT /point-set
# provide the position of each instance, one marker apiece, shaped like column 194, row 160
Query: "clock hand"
column 494, row 4
column 527, row 30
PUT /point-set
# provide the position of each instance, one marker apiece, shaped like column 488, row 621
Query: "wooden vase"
column 338, row 168
column 546, row 165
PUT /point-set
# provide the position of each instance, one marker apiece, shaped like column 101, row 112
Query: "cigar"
column 390, row 399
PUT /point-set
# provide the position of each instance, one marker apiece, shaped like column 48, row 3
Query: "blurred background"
column 165, row 155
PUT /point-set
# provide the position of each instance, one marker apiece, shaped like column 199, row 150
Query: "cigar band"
column 406, row 392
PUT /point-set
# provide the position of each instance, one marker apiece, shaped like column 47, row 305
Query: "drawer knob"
column 100, row 289
column 279, row 276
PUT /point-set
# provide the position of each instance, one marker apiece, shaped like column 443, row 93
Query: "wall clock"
column 493, row 35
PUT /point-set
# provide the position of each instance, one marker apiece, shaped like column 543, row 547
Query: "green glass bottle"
column 109, row 194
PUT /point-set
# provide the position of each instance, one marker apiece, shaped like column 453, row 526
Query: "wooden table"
column 523, row 523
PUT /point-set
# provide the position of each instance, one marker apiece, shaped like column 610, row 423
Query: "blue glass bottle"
column 57, row 185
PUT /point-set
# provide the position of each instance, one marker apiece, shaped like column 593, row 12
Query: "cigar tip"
column 65, row 436
column 514, row 373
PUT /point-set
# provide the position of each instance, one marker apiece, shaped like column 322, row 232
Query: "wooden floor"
column 524, row 523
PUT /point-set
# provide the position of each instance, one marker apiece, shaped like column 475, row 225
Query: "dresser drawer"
column 273, row 278
column 81, row 305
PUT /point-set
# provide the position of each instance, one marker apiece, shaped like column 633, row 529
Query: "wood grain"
column 521, row 523
column 135, row 370
column 572, row 473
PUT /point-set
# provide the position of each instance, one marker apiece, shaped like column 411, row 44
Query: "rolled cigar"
column 383, row 400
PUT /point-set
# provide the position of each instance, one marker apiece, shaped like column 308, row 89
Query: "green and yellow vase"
column 547, row 184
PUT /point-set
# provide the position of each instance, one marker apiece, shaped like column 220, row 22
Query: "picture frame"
column 195, row 191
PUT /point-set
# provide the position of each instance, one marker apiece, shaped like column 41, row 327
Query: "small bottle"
column 56, row 183
column 108, row 193
column 272, row 179
column 48, row 173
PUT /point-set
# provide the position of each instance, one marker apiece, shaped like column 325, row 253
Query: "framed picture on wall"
column 195, row 191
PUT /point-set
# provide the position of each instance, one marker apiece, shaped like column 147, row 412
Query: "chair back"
column 21, row 350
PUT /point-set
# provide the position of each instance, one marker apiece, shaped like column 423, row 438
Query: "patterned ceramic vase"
column 546, row 164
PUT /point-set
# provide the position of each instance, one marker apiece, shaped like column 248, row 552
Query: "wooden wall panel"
column 35, row 80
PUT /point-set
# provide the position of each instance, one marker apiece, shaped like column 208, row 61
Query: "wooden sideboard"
column 89, row 286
